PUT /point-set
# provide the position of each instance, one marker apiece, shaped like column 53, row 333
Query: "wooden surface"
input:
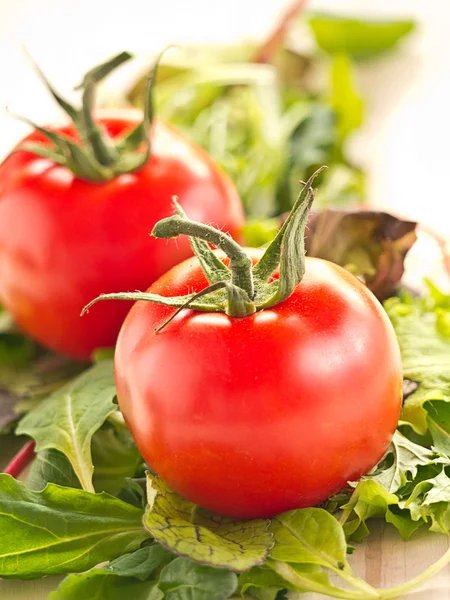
column 385, row 560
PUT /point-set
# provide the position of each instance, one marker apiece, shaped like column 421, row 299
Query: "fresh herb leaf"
column 76, row 529
column 183, row 579
column 357, row 37
column 208, row 539
column 68, row 418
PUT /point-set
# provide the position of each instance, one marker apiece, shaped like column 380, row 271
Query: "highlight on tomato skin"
column 72, row 230
column 250, row 417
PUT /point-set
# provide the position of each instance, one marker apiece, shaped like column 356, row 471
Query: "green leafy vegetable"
column 51, row 466
column 67, row 419
column 198, row 534
column 401, row 462
column 183, row 579
column 124, row 575
column 97, row 586
column 357, row 37
column 76, row 529
column 425, row 357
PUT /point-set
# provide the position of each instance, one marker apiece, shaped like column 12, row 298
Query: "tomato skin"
column 252, row 417
column 63, row 241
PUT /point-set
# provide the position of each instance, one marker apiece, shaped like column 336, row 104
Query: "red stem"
column 266, row 52
column 21, row 460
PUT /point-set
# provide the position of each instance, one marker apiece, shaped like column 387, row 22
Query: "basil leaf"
column 209, row 539
column 183, row 579
column 357, row 37
column 68, row 418
column 76, row 529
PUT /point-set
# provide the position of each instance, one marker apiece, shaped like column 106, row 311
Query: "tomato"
column 253, row 416
column 64, row 240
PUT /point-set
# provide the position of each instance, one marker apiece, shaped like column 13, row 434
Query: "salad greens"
column 155, row 544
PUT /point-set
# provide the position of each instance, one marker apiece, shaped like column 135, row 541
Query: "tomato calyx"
column 239, row 289
column 96, row 157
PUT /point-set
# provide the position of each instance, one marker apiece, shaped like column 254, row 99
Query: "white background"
column 404, row 143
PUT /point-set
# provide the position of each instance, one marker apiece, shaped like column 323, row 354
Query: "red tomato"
column 250, row 417
column 63, row 240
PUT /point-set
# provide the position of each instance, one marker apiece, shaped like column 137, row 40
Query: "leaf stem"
column 406, row 587
column 21, row 460
column 240, row 262
column 303, row 584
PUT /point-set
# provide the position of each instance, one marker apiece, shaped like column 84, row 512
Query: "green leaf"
column 262, row 583
column 287, row 248
column 115, row 458
column 344, row 97
column 68, row 418
column 401, row 460
column 425, row 357
column 369, row 499
column 140, row 564
column 51, row 466
column 183, row 579
column 430, row 499
column 94, row 585
column 121, row 576
column 438, row 423
column 401, row 519
column 209, row 539
column 357, row 37
column 309, row 535
column 76, row 529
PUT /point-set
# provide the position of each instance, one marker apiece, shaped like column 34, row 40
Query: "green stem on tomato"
column 240, row 262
